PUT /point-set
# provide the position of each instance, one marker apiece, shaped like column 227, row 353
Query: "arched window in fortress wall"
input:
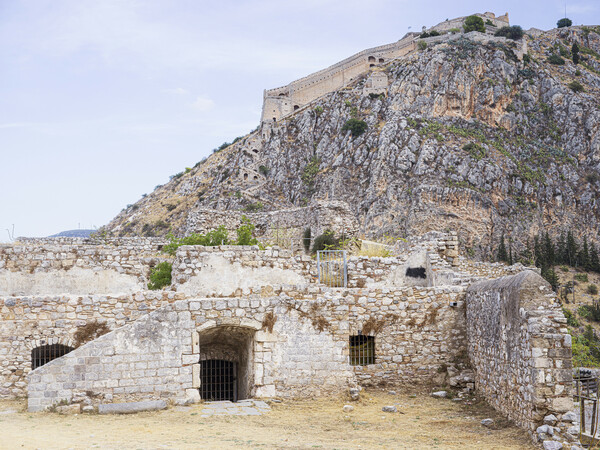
column 372, row 59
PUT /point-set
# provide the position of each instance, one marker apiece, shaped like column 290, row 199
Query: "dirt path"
column 426, row 423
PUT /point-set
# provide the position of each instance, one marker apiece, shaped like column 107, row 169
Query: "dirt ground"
column 422, row 423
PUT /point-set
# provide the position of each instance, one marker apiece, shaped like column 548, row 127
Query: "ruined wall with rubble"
column 520, row 348
column 417, row 331
column 77, row 266
column 283, row 227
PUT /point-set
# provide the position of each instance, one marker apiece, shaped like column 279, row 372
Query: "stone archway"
column 225, row 370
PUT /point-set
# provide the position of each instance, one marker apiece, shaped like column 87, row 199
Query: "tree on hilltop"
column 562, row 23
column 474, row 23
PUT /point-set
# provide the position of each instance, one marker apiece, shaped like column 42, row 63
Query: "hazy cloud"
column 203, row 104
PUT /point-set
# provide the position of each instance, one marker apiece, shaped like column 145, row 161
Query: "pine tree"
column 502, row 255
column 550, row 276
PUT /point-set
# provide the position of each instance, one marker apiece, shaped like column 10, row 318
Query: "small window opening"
column 282, row 95
column 245, row 176
column 371, row 59
column 371, row 65
column 217, row 380
column 45, row 353
column 255, row 150
column 362, row 350
column 416, row 272
column 256, row 177
column 381, row 60
column 296, row 107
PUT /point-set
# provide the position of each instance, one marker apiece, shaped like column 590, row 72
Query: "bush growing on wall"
column 325, row 241
column 160, row 276
column 213, row 238
column 474, row 23
column 244, row 233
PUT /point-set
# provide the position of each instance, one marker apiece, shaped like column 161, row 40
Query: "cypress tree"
column 548, row 250
column 575, row 52
column 571, row 249
column 584, row 255
column 510, row 255
column 502, row 255
column 537, row 253
column 561, row 249
column 594, row 262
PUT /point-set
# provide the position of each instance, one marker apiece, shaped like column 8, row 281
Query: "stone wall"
column 520, row 348
column 417, row 331
column 42, row 267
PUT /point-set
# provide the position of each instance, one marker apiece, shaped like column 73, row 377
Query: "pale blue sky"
column 101, row 100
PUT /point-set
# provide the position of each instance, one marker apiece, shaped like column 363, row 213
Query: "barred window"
column 362, row 350
column 45, row 353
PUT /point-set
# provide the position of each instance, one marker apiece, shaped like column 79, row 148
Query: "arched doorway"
column 226, row 363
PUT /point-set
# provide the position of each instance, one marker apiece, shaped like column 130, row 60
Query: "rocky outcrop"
column 468, row 137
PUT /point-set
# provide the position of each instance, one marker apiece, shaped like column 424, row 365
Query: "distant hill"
column 74, row 233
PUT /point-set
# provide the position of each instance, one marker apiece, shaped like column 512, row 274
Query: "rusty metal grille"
column 586, row 394
column 217, row 380
column 332, row 267
column 45, row 353
column 362, row 350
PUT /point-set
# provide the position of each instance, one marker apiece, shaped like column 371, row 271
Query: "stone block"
column 133, row 407
column 69, row 409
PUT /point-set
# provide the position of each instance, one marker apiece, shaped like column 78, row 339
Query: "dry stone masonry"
column 416, row 315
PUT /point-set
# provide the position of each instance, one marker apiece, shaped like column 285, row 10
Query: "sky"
column 102, row 100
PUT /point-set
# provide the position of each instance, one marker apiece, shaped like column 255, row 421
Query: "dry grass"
column 426, row 423
column 89, row 332
column 269, row 321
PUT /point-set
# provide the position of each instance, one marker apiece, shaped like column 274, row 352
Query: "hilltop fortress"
column 282, row 101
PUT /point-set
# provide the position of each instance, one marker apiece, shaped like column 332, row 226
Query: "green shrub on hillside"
column 583, row 277
column 356, row 127
column 576, row 86
column 515, row 32
column 592, row 289
column 556, row 60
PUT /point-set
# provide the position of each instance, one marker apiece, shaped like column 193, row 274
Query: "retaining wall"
column 417, row 331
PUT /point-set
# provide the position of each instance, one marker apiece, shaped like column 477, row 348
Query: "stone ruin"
column 425, row 315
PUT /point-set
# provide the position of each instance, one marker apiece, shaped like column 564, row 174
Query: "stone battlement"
column 282, row 101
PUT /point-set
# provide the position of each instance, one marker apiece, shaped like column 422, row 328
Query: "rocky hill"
column 466, row 136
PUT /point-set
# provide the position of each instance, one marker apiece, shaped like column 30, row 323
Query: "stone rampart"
column 417, row 331
column 520, row 348
column 282, row 101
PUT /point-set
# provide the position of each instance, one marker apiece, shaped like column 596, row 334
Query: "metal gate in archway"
column 332, row 267
column 218, row 380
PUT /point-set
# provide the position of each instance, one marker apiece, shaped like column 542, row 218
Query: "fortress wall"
column 307, row 89
column 416, row 332
column 520, row 349
column 39, row 267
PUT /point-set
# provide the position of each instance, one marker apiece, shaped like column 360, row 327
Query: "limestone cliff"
column 465, row 136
